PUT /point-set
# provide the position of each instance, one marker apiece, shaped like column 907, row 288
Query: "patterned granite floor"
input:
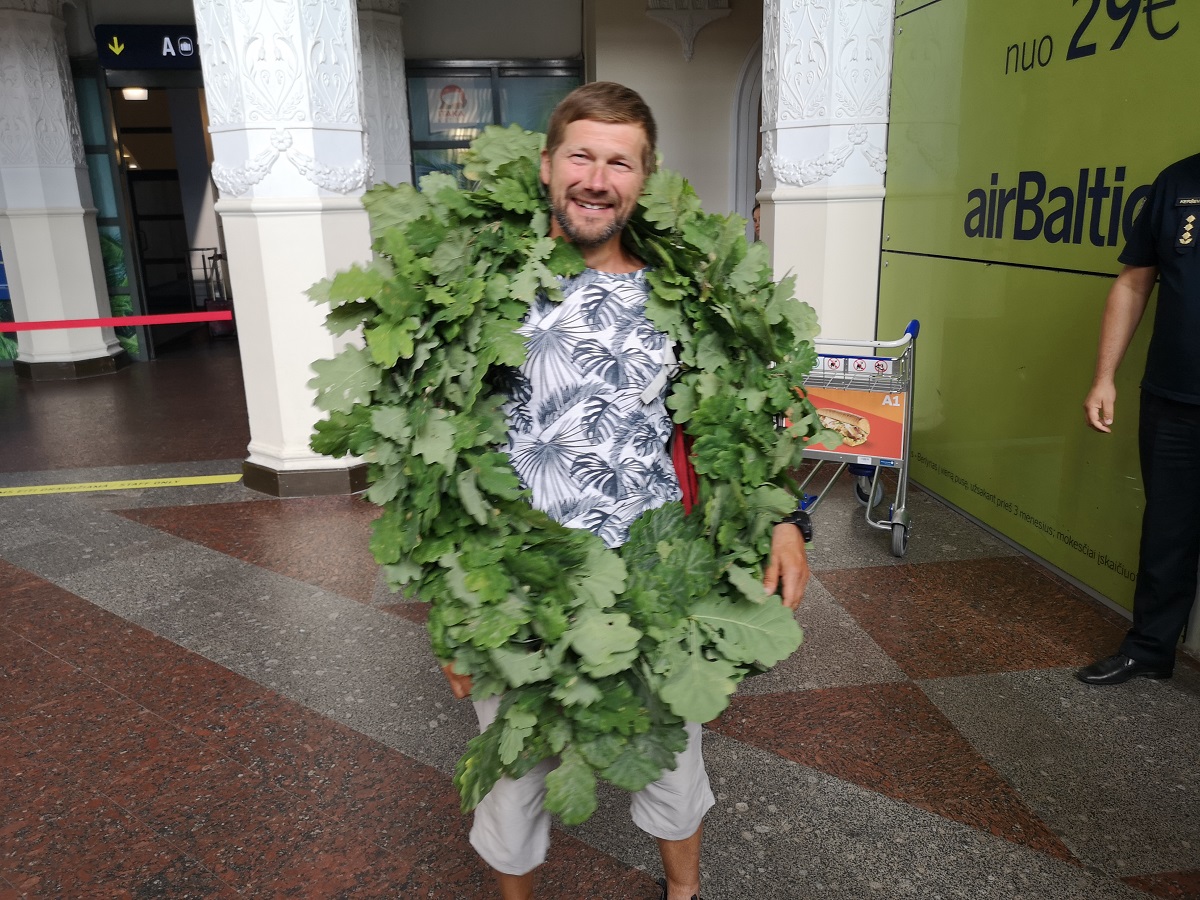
column 205, row 692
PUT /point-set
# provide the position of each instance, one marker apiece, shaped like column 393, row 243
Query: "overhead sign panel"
column 147, row 46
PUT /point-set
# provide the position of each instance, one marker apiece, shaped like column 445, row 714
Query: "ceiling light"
column 135, row 93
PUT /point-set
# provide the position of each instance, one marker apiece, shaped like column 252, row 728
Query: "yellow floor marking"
column 85, row 487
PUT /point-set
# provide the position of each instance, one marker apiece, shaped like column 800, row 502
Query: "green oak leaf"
column 518, row 727
column 469, row 496
column 393, row 423
column 389, row 341
column 750, row 585
column 386, row 484
column 393, row 206
column 435, row 441
column 698, row 689
column 599, row 636
column 635, row 768
column 604, row 577
column 577, row 691
column 764, row 633
column 349, row 316
column 602, row 750
column 347, row 379
column 479, row 768
column 667, row 199
column 571, row 789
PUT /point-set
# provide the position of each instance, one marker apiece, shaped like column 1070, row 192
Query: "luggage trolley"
column 869, row 400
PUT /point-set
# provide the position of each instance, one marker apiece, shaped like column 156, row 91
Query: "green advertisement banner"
column 1022, row 136
column 1027, row 131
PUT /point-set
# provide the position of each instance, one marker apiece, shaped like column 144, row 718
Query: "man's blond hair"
column 604, row 101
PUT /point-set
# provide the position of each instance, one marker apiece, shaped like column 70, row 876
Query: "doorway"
column 177, row 242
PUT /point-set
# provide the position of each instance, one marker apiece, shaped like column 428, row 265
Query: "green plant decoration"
column 601, row 655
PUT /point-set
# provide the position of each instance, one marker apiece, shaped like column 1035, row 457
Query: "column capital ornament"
column 826, row 59
column 826, row 77
column 39, row 117
column 687, row 17
column 234, row 181
column 277, row 63
column 275, row 70
column 804, row 172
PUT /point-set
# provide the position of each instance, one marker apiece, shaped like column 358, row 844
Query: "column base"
column 70, row 370
column 304, row 483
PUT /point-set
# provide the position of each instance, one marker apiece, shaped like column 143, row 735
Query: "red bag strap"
column 681, row 456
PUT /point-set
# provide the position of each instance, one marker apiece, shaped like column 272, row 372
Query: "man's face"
column 595, row 177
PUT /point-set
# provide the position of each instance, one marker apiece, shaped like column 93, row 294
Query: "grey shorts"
column 511, row 831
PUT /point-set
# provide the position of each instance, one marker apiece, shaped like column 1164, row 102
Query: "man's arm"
column 1122, row 312
column 788, row 564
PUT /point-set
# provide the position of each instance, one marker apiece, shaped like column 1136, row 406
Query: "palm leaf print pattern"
column 581, row 436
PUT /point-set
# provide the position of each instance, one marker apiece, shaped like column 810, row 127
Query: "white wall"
column 692, row 101
column 490, row 29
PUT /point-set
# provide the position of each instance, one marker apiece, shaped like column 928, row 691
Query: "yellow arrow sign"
column 116, row 46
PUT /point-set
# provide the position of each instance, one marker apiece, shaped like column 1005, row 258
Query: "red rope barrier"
column 117, row 321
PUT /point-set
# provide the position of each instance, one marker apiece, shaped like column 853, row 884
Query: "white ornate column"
column 47, row 218
column 826, row 80
column 283, row 83
column 385, row 89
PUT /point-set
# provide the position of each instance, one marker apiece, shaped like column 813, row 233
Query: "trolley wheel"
column 899, row 539
column 862, row 491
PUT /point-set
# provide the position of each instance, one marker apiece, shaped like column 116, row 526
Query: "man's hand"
column 460, row 685
column 1122, row 312
column 1098, row 406
column 789, row 564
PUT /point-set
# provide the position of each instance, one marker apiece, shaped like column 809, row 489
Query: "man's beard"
column 584, row 240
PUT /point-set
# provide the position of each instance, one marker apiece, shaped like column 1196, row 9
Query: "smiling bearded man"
column 588, row 436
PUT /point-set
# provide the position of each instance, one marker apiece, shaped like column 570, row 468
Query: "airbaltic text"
column 1093, row 209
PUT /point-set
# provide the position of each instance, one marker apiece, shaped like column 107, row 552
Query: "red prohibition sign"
column 860, row 365
column 835, row 363
column 881, row 366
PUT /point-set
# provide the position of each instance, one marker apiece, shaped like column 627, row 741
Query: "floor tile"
column 30, row 676
column 974, row 616
column 13, row 577
column 1169, row 885
column 234, row 701
column 323, row 541
column 1114, row 771
column 52, row 850
column 889, row 738
column 836, row 651
column 937, row 533
column 413, row 610
column 134, row 415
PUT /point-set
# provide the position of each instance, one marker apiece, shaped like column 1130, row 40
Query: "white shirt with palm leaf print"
column 582, row 437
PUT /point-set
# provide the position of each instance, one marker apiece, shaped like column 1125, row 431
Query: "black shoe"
column 663, row 884
column 1117, row 669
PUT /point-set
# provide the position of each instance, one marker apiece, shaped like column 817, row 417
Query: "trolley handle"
column 910, row 335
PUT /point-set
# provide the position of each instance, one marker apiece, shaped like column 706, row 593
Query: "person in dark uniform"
column 1161, row 245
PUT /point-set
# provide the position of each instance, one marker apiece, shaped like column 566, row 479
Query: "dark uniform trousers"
column 1169, row 445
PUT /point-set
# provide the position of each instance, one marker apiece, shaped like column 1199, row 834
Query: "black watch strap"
column 803, row 521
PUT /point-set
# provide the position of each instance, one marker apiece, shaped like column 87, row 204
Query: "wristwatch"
column 803, row 521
